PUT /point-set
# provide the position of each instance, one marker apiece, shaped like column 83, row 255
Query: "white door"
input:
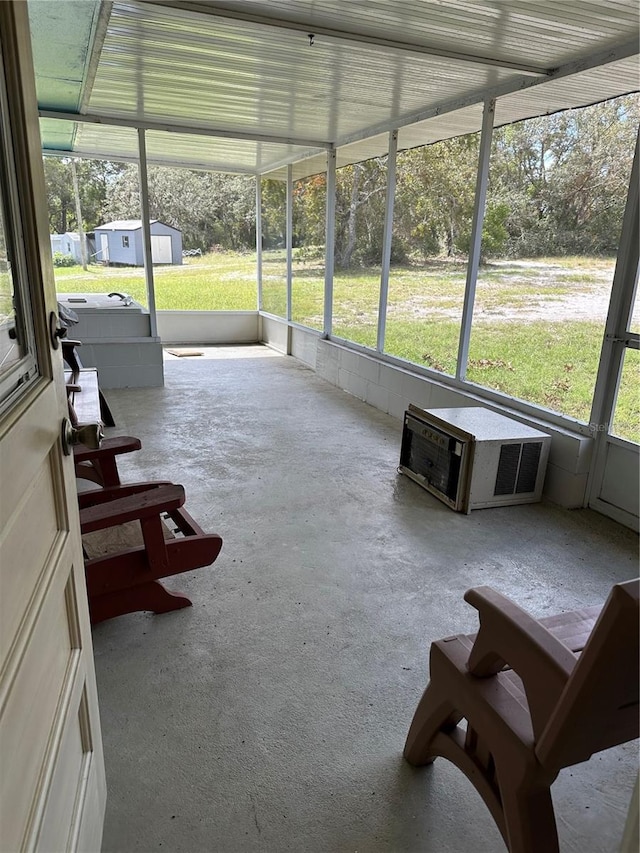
column 52, row 783
column 104, row 248
column 160, row 249
column 616, row 456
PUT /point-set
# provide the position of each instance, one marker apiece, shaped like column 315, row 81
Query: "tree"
column 274, row 197
column 94, row 179
column 59, row 194
column 557, row 184
column 360, row 204
column 564, row 178
column 309, row 213
column 434, row 196
column 210, row 209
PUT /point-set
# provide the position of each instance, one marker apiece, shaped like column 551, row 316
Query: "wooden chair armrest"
column 509, row 636
column 112, row 493
column 108, row 447
column 140, row 505
column 69, row 355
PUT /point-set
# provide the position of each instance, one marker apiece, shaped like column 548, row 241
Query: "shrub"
column 60, row 260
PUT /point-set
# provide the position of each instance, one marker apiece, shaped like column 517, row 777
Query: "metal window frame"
column 289, row 241
column 617, row 337
column 473, row 263
column 387, row 239
column 146, row 231
column 330, row 242
column 259, row 240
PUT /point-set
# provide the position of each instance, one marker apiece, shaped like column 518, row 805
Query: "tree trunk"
column 76, row 193
column 345, row 259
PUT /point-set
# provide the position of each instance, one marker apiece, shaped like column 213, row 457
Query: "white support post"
column 616, row 333
column 473, row 262
column 289, row 240
column 259, row 239
column 387, row 238
column 330, row 238
column 146, row 231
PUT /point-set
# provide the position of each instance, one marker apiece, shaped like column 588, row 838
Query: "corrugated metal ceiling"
column 246, row 68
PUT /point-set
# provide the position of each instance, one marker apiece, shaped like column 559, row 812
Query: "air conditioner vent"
column 507, row 469
column 528, row 473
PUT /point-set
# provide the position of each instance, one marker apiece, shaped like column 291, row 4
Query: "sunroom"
column 271, row 716
column 287, row 91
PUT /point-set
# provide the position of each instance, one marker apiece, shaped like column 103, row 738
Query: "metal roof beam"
column 97, row 43
column 278, row 164
column 170, row 127
column 594, row 60
column 220, row 11
column 196, row 165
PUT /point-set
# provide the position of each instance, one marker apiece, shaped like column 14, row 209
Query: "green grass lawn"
column 221, row 281
column 527, row 340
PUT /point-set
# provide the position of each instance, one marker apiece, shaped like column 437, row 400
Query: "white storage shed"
column 67, row 244
column 120, row 242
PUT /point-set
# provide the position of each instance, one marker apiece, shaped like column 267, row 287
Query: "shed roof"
column 129, row 225
column 250, row 86
column 70, row 235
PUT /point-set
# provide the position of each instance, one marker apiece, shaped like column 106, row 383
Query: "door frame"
column 618, row 337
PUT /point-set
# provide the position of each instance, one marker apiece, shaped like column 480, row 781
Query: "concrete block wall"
column 275, row 333
column 303, row 345
column 127, row 363
column 391, row 388
column 208, row 327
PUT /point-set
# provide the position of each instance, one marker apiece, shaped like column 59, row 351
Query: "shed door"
column 104, row 247
column 161, row 249
column 52, row 781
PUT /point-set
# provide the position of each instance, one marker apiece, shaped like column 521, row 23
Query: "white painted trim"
column 96, row 40
column 91, row 154
column 620, row 303
column 621, row 516
column 171, row 127
column 623, row 289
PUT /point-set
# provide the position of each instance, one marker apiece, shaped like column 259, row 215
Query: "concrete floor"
column 271, row 715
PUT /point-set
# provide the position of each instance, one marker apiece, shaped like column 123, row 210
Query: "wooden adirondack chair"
column 536, row 696
column 149, row 535
column 99, row 465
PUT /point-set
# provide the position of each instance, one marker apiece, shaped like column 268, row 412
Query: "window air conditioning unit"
column 473, row 457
